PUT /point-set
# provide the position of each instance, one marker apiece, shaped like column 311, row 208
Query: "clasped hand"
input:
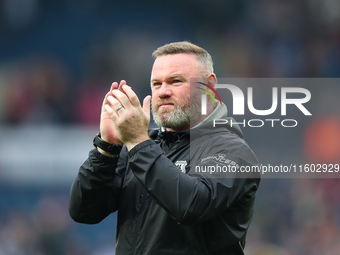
column 123, row 119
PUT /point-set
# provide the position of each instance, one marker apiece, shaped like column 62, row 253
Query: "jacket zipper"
column 143, row 205
column 138, row 220
column 178, row 145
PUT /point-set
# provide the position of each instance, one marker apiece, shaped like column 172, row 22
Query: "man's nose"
column 164, row 91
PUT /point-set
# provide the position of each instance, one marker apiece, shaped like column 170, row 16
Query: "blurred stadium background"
column 59, row 57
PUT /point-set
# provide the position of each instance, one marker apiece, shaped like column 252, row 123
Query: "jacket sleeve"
column 96, row 190
column 187, row 199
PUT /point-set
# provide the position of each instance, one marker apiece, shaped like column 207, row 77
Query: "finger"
column 146, row 105
column 131, row 95
column 115, row 104
column 105, row 100
column 112, row 113
column 114, row 86
column 122, row 82
column 122, row 98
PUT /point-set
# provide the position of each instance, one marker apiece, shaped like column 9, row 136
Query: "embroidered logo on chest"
column 181, row 164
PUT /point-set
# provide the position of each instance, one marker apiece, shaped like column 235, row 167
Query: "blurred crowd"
column 37, row 223
column 46, row 84
column 58, row 59
column 40, row 230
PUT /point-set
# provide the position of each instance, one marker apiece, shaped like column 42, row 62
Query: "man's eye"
column 176, row 81
column 157, row 84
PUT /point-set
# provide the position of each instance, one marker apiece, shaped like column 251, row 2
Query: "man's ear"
column 212, row 80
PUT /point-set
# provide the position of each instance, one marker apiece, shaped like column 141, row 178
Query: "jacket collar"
column 220, row 112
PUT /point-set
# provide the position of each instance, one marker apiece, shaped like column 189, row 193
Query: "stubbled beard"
column 180, row 118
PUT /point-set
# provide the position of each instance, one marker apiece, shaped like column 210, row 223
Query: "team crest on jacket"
column 181, row 164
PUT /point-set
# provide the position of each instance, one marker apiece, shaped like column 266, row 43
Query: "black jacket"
column 167, row 203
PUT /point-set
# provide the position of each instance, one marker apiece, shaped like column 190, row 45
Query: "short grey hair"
column 202, row 56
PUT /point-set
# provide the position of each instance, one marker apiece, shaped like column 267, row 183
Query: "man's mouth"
column 165, row 104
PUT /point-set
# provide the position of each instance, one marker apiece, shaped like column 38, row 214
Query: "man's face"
column 170, row 85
